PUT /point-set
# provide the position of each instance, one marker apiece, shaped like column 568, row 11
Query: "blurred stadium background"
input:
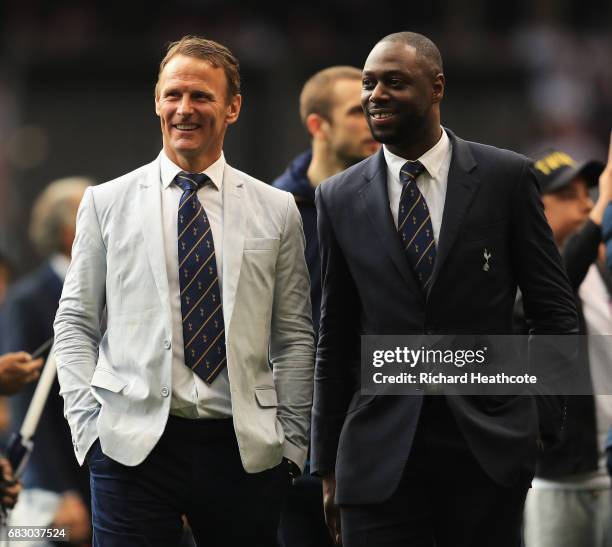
column 77, row 78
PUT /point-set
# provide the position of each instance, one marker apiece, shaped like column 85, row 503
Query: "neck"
column 414, row 149
column 192, row 164
column 323, row 165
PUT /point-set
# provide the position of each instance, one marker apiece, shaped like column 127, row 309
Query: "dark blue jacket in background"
column 29, row 311
column 295, row 181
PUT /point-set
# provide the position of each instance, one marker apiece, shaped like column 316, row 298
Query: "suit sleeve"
column 292, row 338
column 547, row 295
column 338, row 341
column 549, row 305
column 77, row 326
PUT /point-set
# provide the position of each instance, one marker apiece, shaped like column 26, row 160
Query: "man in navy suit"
column 431, row 235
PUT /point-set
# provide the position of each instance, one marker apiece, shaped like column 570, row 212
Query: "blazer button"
column 167, row 344
column 165, row 392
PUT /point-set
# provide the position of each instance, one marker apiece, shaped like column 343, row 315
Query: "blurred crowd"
column 543, row 63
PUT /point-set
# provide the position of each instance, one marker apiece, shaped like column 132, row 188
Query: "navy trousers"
column 194, row 471
column 302, row 522
column 444, row 498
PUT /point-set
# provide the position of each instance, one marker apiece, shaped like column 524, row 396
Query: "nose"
column 588, row 205
column 378, row 93
column 185, row 108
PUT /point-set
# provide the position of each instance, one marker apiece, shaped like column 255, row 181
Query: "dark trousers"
column 302, row 521
column 444, row 498
column 194, row 470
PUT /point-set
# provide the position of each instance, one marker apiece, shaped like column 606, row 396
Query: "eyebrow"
column 202, row 92
column 391, row 72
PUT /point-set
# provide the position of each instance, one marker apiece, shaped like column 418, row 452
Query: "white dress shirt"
column 191, row 396
column 432, row 182
column 59, row 264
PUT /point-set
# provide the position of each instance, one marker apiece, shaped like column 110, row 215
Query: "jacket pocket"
column 266, row 397
column 107, row 379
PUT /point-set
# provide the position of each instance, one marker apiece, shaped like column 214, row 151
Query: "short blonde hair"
column 54, row 210
column 317, row 96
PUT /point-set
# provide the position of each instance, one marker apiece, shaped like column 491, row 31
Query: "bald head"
column 426, row 50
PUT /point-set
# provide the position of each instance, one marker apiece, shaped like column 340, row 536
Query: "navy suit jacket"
column 28, row 322
column 492, row 202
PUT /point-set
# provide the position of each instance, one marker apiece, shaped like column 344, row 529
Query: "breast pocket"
column 130, row 272
column 483, row 231
column 258, row 268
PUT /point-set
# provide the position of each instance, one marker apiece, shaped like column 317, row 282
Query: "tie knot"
column 190, row 181
column 411, row 170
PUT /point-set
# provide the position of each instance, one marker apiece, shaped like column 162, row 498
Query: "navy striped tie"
column 414, row 224
column 202, row 314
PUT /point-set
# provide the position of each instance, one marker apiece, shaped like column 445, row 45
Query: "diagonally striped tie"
column 414, row 224
column 203, row 327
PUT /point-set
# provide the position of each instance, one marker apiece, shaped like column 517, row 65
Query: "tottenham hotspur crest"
column 486, row 254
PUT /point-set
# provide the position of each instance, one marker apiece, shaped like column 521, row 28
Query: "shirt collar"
column 169, row 170
column 59, row 264
column 432, row 160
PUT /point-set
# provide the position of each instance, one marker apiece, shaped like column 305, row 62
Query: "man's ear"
column 317, row 125
column 157, row 99
column 233, row 109
column 438, row 88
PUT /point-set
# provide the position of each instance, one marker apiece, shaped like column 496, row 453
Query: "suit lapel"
column 150, row 213
column 233, row 239
column 461, row 189
column 376, row 200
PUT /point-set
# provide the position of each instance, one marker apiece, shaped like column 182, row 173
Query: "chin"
column 386, row 137
column 187, row 151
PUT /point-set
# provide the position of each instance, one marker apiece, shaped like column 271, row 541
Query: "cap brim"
column 589, row 171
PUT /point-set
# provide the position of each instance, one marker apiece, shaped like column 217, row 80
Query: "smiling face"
column 400, row 96
column 194, row 111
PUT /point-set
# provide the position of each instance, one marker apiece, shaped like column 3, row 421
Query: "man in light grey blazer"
column 200, row 267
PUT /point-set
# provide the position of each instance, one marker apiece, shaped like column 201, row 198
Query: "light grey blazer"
column 117, row 386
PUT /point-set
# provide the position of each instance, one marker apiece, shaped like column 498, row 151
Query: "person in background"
column 9, row 487
column 569, row 502
column 606, row 229
column 607, row 218
column 29, row 312
column 17, row 370
column 6, row 274
column 331, row 112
